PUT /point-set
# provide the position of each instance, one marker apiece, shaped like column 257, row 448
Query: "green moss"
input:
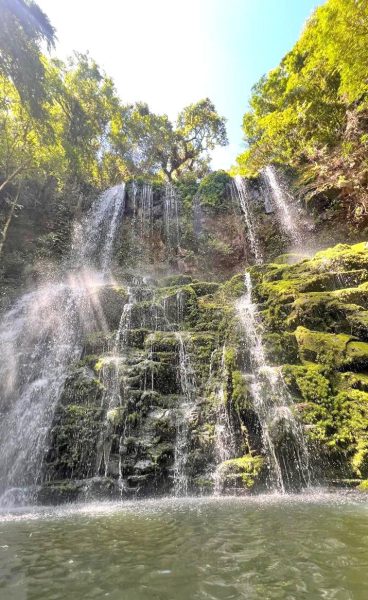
column 336, row 350
column 351, row 257
column 363, row 486
column 348, row 380
column 203, row 288
column 240, row 392
column 112, row 299
column 281, row 347
column 309, row 382
column 115, row 416
column 288, row 259
column 234, row 288
column 136, row 337
column 175, row 280
column 241, row 472
column 162, row 341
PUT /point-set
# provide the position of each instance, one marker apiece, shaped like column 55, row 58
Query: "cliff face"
column 315, row 318
column 201, row 380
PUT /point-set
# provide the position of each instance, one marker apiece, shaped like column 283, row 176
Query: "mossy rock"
column 136, row 337
column 346, row 381
column 74, row 436
column 203, row 288
column 281, row 348
column 336, row 350
column 112, row 300
column 175, row 281
column 343, row 255
column 325, row 311
column 309, row 381
column 98, row 342
column 162, row 341
column 290, row 258
column 82, row 387
column 243, row 472
column 58, row 492
column 235, row 287
column 177, row 302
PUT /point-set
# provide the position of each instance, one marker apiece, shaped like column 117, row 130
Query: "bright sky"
column 170, row 53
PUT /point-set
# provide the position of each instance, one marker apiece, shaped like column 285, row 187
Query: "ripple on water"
column 312, row 545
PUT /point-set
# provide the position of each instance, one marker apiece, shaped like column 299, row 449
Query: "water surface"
column 267, row 547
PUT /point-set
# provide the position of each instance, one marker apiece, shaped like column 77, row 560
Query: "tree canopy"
column 67, row 120
column 64, row 121
column 303, row 109
column 23, row 28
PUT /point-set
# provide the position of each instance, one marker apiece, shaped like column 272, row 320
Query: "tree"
column 299, row 110
column 84, row 104
column 150, row 143
column 23, row 28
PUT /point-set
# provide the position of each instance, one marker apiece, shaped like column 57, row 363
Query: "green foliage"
column 23, row 27
column 151, row 143
column 213, row 189
column 310, row 112
column 65, row 122
column 326, row 373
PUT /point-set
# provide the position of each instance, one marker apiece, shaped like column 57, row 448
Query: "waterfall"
column 94, row 238
column 188, row 388
column 280, row 198
column 146, row 198
column 43, row 334
column 110, row 380
column 225, row 447
column 282, row 433
column 241, row 193
column 171, row 216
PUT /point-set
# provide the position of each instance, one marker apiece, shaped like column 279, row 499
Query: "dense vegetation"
column 63, row 128
column 65, row 135
column 311, row 111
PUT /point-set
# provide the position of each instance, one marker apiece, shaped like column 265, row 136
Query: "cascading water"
column 188, row 388
column 241, row 193
column 282, row 433
column 225, row 447
column 171, row 216
column 110, row 379
column 42, row 335
column 284, row 211
column 94, row 238
column 146, row 201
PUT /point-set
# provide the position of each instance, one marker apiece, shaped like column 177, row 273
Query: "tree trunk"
column 8, row 220
column 12, row 175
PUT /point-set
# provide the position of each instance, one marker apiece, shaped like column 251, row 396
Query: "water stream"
column 42, row 335
column 283, row 438
column 241, row 193
column 285, row 212
column 225, row 446
column 171, row 217
column 184, row 413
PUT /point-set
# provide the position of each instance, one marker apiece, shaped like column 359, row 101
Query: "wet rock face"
column 315, row 315
column 129, row 439
column 142, row 415
column 160, row 401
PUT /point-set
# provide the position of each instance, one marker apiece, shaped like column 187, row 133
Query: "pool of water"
column 312, row 546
